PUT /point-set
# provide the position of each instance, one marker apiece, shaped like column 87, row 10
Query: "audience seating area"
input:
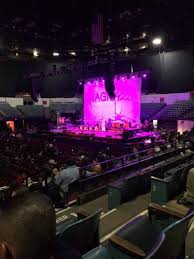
column 162, row 167
column 148, row 110
column 170, row 184
column 65, row 107
column 31, row 111
column 175, row 111
column 6, row 111
column 139, row 182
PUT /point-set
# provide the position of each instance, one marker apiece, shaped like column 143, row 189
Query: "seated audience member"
column 157, row 149
column 96, row 168
column 189, row 194
column 63, row 179
column 28, row 227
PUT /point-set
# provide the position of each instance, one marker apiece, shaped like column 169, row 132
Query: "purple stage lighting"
column 133, row 77
column 144, row 75
column 98, row 106
column 80, row 83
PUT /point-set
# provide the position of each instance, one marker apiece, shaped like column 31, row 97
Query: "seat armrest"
column 163, row 210
column 159, row 179
column 128, row 247
column 82, row 214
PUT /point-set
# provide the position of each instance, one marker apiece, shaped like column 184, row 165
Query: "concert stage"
column 114, row 117
column 97, row 134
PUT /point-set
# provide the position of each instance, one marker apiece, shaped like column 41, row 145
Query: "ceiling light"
column 16, row 54
column 72, row 53
column 126, row 49
column 35, row 53
column 143, row 47
column 144, row 34
column 55, row 54
column 157, row 41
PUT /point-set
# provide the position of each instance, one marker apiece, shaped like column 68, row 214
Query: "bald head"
column 28, row 227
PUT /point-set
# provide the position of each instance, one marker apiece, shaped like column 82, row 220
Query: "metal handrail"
column 121, row 158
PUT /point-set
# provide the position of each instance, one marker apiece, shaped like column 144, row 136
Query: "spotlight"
column 72, row 53
column 126, row 50
column 157, row 41
column 80, row 83
column 144, row 75
column 55, row 54
column 123, row 78
column 16, row 54
column 35, row 53
column 133, row 77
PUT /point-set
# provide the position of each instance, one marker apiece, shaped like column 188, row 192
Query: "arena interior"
column 97, row 130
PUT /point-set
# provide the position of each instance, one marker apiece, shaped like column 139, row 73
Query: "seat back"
column 98, row 253
column 175, row 235
column 82, row 235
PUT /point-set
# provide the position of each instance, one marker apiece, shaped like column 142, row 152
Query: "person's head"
column 28, row 227
column 70, row 162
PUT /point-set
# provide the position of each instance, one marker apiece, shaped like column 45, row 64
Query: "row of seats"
column 65, row 107
column 160, row 234
column 31, row 111
column 94, row 186
column 170, row 184
column 140, row 182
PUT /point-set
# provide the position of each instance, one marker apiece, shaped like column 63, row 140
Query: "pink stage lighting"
column 144, row 75
column 98, row 106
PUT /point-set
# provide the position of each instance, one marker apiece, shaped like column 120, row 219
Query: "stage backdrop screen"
column 126, row 106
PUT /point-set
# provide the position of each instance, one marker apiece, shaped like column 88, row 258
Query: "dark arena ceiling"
column 65, row 27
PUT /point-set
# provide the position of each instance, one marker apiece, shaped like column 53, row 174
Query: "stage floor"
column 114, row 134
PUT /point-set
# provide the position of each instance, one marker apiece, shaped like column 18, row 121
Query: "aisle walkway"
column 110, row 220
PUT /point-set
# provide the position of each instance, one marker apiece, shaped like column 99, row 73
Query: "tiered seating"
column 65, row 107
column 189, row 115
column 175, row 111
column 31, row 111
column 95, row 186
column 148, row 110
column 137, row 183
column 7, row 111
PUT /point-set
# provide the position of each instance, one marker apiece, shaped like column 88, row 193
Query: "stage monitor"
column 98, row 106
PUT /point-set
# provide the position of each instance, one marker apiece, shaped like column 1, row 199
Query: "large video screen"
column 124, row 107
